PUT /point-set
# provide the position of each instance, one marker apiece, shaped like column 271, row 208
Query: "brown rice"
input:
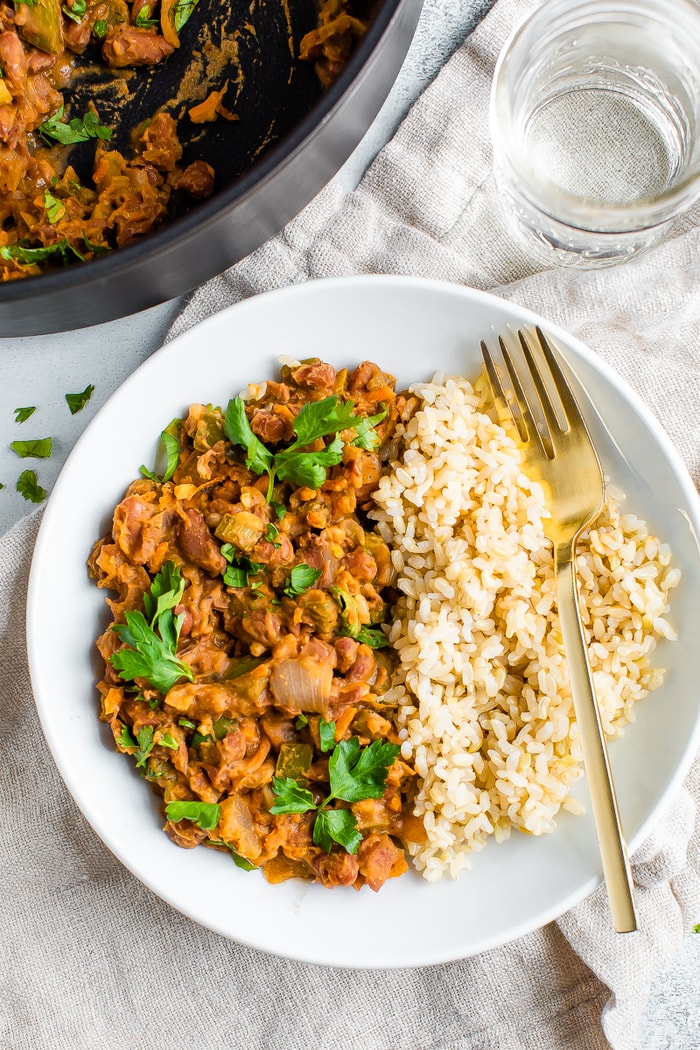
column 485, row 707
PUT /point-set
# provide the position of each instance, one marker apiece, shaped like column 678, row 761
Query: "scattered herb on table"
column 355, row 773
column 29, row 487
column 316, row 420
column 23, row 414
column 696, row 927
column 77, row 402
column 150, row 640
column 36, row 448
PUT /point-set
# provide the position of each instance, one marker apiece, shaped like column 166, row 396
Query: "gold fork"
column 559, row 453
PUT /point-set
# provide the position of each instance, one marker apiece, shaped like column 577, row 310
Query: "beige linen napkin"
column 90, row 958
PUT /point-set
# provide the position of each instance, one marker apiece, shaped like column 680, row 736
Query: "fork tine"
column 548, row 410
column 532, row 431
column 503, row 408
column 569, row 403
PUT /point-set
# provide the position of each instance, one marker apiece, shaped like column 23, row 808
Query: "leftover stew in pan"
column 54, row 210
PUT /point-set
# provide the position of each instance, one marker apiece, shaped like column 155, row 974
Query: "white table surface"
column 40, row 370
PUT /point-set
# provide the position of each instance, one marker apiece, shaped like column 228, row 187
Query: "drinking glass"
column 595, row 125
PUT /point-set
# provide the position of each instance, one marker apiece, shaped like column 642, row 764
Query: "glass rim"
column 548, row 197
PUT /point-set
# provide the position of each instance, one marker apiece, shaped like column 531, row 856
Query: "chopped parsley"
column 38, row 448
column 76, row 10
column 23, row 414
column 79, row 129
column 143, row 19
column 55, row 208
column 316, row 420
column 355, row 773
column 29, row 487
column 270, row 534
column 182, row 12
column 77, row 402
column 300, row 579
column 150, row 641
column 171, row 446
column 240, row 568
column 205, row 815
column 62, row 250
column 100, row 28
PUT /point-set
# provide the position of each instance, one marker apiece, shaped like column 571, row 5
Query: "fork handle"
column 613, row 851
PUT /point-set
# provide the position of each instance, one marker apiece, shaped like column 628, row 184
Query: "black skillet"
column 290, row 138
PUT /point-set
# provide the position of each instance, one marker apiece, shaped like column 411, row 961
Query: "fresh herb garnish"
column 29, row 487
column 186, row 723
column 100, row 28
column 270, row 534
column 696, row 927
column 55, row 208
column 32, row 256
column 326, row 735
column 171, row 445
column 23, row 414
column 301, row 721
column 316, row 420
column 351, row 627
column 143, row 19
column 142, row 745
column 39, row 448
column 152, row 639
column 373, row 637
column 238, row 860
column 168, row 740
column 76, row 10
column 279, row 509
column 240, row 567
column 300, row 579
column 355, row 773
column 77, row 402
column 205, row 815
column 79, row 129
column 182, row 13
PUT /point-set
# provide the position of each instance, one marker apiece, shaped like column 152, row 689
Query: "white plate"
column 410, row 327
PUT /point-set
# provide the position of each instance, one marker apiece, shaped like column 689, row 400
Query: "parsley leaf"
column 168, row 740
column 143, row 19
column 357, row 773
column 308, row 468
column 55, row 208
column 22, row 414
column 237, row 429
column 77, row 402
column 238, row 860
column 171, row 446
column 76, row 10
column 365, row 435
column 151, row 645
column 374, row 638
column 336, row 825
column 300, row 579
column 182, row 13
column 326, row 733
column 315, row 420
column 240, row 567
column 39, row 448
column 205, row 815
column 696, row 928
column 32, row 256
column 301, row 721
column 144, row 736
column 293, row 798
column 79, row 129
column 100, row 28
column 270, row 534
column 29, row 487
